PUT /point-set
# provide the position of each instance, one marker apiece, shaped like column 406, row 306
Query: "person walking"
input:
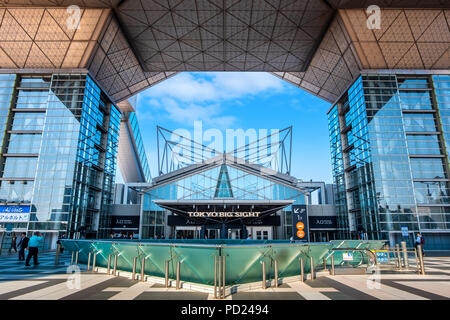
column 33, row 245
column 13, row 243
column 420, row 241
column 63, row 236
column 22, row 245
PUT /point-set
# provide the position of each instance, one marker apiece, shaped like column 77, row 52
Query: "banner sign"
column 323, row 222
column 14, row 213
column 187, row 221
column 125, row 222
column 300, row 228
column 15, row 209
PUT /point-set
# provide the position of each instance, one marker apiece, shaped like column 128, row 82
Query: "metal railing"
column 401, row 258
column 220, row 266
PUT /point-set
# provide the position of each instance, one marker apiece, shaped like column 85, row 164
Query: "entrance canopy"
column 224, row 211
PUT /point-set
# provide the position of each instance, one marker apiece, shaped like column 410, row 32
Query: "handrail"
column 172, row 244
column 374, row 256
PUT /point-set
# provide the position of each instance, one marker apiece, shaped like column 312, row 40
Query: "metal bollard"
column 115, row 265
column 223, row 277
column 388, row 254
column 215, row 277
column 133, row 274
column 76, row 257
column 263, row 274
column 178, row 275
column 417, row 261
column 109, row 265
column 302, row 270
column 93, row 261
column 166, row 275
column 397, row 256
column 89, row 261
column 276, row 272
column 405, row 254
column 58, row 251
column 312, row 268
column 143, row 269
column 220, row 277
column 422, row 266
column 332, row 266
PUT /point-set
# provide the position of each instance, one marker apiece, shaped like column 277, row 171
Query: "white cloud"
column 214, row 86
column 187, row 97
column 188, row 113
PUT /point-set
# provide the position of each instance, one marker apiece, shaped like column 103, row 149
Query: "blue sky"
column 232, row 100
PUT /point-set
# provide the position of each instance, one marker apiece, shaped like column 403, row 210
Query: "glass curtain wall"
column 392, row 130
column 60, row 137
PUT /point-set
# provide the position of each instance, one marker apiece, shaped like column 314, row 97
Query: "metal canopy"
column 127, row 46
column 263, row 207
column 245, row 35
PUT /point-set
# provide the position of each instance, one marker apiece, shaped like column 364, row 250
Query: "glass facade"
column 132, row 119
column 223, row 181
column 60, row 136
column 388, row 138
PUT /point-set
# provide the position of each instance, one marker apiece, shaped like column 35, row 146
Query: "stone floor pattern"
column 49, row 282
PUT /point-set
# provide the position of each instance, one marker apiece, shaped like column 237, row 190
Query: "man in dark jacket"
column 23, row 244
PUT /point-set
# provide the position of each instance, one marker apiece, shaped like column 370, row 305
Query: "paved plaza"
column 50, row 282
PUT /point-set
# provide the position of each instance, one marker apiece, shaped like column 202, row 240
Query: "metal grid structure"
column 272, row 151
column 320, row 46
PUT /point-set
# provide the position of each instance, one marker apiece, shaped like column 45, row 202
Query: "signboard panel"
column 404, row 232
column 14, row 214
column 382, row 256
column 300, row 224
column 347, row 256
column 187, row 221
column 322, row 222
column 125, row 222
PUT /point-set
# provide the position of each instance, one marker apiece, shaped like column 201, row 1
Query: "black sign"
column 186, row 221
column 125, row 222
column 300, row 230
column 325, row 222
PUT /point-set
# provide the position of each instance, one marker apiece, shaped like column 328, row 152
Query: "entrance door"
column 213, row 233
column 187, row 233
column 261, row 233
column 234, row 233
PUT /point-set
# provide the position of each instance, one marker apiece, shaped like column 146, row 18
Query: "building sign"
column 323, row 222
column 180, row 220
column 224, row 214
column 14, row 213
column 125, row 222
column 300, row 228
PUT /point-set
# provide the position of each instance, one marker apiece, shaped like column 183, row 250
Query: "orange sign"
column 300, row 233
